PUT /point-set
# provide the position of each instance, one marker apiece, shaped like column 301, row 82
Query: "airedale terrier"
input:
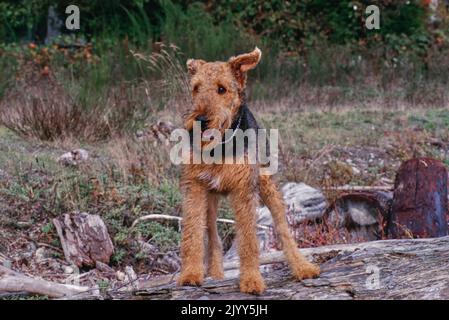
column 219, row 103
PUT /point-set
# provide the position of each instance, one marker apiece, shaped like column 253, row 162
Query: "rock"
column 74, row 157
column 28, row 251
column 165, row 127
column 4, row 175
column 120, row 276
column 41, row 254
column 140, row 134
column 68, row 269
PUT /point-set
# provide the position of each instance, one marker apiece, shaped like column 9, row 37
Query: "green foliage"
column 118, row 256
column 22, row 18
column 47, row 228
column 8, row 67
column 28, row 18
column 103, row 285
column 165, row 238
column 300, row 23
column 214, row 28
column 201, row 35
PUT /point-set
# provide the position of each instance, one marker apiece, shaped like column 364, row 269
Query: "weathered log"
column 386, row 269
column 84, row 239
column 13, row 282
column 419, row 206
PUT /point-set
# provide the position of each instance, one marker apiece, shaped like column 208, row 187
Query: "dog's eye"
column 221, row 90
column 196, row 88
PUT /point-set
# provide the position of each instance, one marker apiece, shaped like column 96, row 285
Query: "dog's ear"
column 244, row 62
column 193, row 65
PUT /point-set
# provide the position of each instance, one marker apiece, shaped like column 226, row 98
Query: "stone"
column 74, row 157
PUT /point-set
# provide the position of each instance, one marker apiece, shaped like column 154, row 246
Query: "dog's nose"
column 201, row 119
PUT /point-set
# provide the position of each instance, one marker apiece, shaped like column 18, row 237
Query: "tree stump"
column 420, row 200
column 84, row 239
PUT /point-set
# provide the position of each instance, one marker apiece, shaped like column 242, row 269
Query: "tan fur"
column 202, row 185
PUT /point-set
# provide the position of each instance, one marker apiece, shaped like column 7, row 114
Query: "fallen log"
column 386, row 269
column 12, row 282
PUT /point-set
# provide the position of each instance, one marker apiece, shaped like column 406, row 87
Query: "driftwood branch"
column 387, row 269
column 13, row 282
column 168, row 217
column 360, row 188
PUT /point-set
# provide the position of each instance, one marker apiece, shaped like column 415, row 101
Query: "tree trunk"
column 420, row 200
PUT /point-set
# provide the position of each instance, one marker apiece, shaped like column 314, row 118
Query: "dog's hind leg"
column 214, row 247
column 244, row 204
column 194, row 209
column 300, row 267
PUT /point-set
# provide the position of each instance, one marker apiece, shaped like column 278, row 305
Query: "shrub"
column 47, row 112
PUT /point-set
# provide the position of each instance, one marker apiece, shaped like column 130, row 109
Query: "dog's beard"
column 213, row 130
column 220, row 120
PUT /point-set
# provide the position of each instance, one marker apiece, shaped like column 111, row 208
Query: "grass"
column 391, row 136
column 38, row 189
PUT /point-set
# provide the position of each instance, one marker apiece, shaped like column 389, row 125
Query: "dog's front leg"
column 244, row 204
column 194, row 209
column 214, row 247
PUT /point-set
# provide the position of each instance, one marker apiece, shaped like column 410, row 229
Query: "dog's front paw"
column 216, row 272
column 306, row 271
column 252, row 283
column 191, row 279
